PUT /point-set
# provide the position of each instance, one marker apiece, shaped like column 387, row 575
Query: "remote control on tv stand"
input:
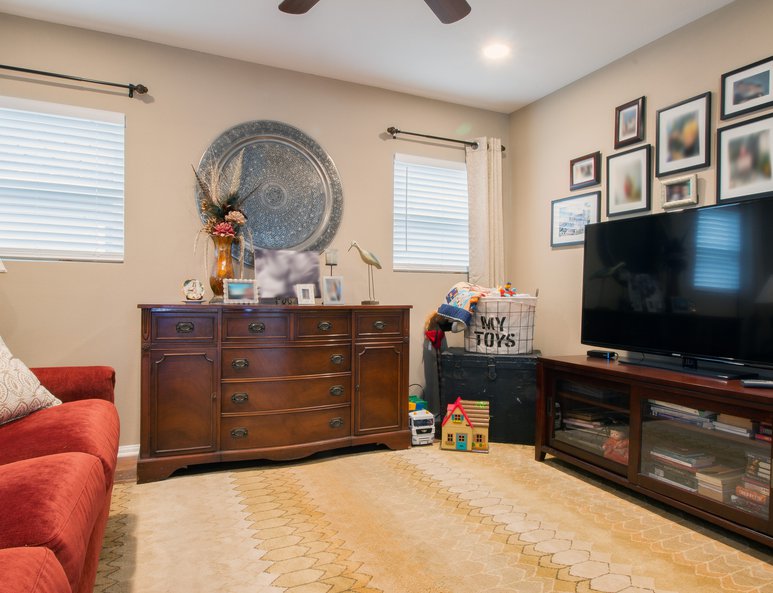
column 758, row 383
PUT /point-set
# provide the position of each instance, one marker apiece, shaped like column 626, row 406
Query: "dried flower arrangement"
column 220, row 199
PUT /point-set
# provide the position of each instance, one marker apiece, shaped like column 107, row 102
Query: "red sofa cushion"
column 53, row 502
column 88, row 426
column 31, row 570
column 75, row 383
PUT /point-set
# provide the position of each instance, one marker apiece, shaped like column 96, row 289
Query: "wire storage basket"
column 502, row 325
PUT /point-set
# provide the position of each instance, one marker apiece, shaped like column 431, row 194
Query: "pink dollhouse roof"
column 452, row 407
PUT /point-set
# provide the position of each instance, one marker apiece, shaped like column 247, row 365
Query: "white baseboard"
column 128, row 451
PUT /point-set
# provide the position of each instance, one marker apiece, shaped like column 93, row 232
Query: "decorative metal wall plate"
column 297, row 200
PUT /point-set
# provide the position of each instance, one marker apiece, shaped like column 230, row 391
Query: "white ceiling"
column 396, row 44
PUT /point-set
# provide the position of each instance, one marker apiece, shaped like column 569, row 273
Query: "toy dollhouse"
column 465, row 426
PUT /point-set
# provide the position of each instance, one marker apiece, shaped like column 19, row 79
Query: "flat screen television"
column 695, row 284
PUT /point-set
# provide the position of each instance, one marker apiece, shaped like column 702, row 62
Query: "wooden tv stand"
column 657, row 432
column 235, row 382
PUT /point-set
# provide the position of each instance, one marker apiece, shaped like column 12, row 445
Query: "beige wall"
column 85, row 313
column 579, row 119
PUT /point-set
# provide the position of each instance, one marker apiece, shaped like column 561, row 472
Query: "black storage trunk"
column 507, row 382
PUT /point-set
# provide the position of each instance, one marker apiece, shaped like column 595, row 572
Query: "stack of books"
column 753, row 492
column 734, row 425
column 671, row 411
column 718, row 482
column 764, row 432
column 585, row 428
column 678, row 465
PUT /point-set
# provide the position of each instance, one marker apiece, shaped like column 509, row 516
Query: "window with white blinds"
column 61, row 182
column 718, row 251
column 430, row 215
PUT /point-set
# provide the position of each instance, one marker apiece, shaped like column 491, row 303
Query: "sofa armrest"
column 76, row 383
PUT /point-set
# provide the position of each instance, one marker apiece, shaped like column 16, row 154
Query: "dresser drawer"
column 183, row 327
column 280, row 361
column 255, row 326
column 279, row 430
column 321, row 324
column 375, row 324
column 262, row 396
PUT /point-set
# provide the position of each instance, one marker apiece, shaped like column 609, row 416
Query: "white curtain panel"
column 484, row 181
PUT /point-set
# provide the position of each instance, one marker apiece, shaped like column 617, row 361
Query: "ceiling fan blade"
column 449, row 11
column 297, row 6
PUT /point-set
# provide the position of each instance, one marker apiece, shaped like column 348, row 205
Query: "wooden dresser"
column 235, row 382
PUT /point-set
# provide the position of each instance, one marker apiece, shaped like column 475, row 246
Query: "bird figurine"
column 369, row 258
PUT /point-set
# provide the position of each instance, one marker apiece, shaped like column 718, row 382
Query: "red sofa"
column 56, row 478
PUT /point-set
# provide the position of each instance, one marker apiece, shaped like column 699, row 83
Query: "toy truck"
column 422, row 425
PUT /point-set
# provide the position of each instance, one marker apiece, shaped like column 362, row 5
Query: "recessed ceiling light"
column 496, row 51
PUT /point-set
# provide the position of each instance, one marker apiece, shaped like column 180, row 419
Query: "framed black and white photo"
column 629, row 123
column 585, row 171
column 744, row 168
column 569, row 217
column 333, row 290
column 240, row 290
column 684, row 136
column 629, row 181
column 747, row 89
column 679, row 192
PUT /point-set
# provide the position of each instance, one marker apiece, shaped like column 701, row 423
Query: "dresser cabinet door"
column 381, row 405
column 183, row 394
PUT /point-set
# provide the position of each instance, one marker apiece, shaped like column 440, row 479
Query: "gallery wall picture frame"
column 240, row 290
column 684, row 136
column 569, row 216
column 629, row 181
column 744, row 160
column 629, row 123
column 333, row 290
column 679, row 192
column 747, row 89
column 585, row 171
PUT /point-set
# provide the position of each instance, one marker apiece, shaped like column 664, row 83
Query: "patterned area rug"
column 415, row 521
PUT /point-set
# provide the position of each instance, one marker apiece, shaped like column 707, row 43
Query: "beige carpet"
column 415, row 521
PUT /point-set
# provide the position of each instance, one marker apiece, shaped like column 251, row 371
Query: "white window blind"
column 430, row 215
column 61, row 182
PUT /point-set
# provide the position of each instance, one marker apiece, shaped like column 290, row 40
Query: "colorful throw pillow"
column 20, row 391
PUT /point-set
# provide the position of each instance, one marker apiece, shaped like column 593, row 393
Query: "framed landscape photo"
column 585, row 171
column 569, row 217
column 240, row 290
column 629, row 123
column 680, row 192
column 744, row 168
column 684, row 136
column 747, row 89
column 629, row 181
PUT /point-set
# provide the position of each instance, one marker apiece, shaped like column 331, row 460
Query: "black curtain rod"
column 393, row 131
column 140, row 89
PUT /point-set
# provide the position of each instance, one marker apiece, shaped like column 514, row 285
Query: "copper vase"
column 223, row 267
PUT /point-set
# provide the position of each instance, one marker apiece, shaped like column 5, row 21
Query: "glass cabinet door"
column 715, row 455
column 592, row 419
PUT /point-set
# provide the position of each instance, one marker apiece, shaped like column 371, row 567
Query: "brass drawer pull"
column 240, row 363
column 379, row 325
column 257, row 328
column 337, row 358
column 324, row 326
column 336, row 422
column 239, row 433
column 239, row 398
column 184, row 327
column 337, row 390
